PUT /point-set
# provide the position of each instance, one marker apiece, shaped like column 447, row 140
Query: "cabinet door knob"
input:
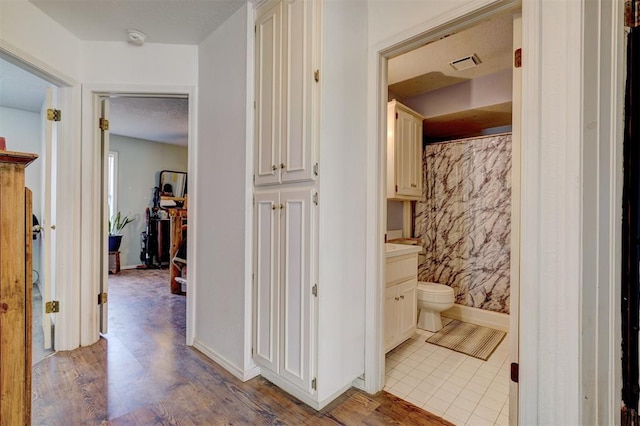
column 274, row 167
column 273, row 207
column 397, row 298
column 402, row 297
column 53, row 227
column 282, row 166
column 281, row 206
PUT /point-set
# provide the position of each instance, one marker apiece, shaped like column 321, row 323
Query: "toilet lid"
column 434, row 288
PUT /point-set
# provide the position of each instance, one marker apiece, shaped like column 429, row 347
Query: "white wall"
column 480, row 92
column 342, row 199
column 23, row 132
column 29, row 30
column 139, row 165
column 150, row 64
column 222, row 318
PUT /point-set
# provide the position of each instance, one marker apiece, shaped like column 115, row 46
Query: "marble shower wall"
column 465, row 219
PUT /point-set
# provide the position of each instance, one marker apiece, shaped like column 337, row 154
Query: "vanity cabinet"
column 404, row 152
column 15, row 289
column 284, row 305
column 286, row 56
column 400, row 304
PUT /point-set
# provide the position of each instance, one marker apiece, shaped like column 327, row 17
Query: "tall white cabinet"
column 404, row 152
column 291, row 343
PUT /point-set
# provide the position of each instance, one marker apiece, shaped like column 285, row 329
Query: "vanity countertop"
column 394, row 250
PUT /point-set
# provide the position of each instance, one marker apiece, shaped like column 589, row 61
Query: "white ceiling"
column 427, row 68
column 163, row 21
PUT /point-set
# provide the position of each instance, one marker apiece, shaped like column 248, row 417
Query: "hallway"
column 142, row 373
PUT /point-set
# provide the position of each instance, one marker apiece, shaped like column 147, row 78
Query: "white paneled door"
column 266, row 276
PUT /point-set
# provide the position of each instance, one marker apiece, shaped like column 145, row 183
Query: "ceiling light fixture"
column 136, row 37
column 465, row 63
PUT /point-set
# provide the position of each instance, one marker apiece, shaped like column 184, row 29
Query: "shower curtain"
column 464, row 219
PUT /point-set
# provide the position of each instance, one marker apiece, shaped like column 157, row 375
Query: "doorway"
column 97, row 260
column 144, row 151
column 24, row 122
column 405, row 213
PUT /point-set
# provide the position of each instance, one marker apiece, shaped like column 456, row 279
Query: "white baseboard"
column 241, row 374
column 477, row 316
column 302, row 395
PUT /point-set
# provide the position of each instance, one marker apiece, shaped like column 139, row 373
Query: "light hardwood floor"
column 142, row 373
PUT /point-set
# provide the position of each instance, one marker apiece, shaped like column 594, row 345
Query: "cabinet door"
column 408, row 154
column 266, row 277
column 268, row 92
column 390, row 317
column 408, row 308
column 296, row 298
column 300, row 91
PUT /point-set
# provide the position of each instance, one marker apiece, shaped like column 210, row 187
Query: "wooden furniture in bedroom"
column 114, row 262
column 15, row 289
column 178, row 227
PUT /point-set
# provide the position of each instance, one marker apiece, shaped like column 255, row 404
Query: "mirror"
column 172, row 188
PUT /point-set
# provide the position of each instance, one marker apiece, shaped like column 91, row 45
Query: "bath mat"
column 470, row 339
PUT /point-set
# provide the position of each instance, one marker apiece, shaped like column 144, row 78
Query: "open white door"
column 48, row 233
column 516, row 166
column 104, row 139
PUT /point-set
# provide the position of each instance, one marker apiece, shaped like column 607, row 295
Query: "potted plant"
column 116, row 224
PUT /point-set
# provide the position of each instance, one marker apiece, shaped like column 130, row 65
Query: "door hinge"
column 517, row 58
column 251, row 351
column 315, row 199
column 104, row 124
column 515, row 372
column 316, row 75
column 102, row 298
column 316, row 169
column 396, row 115
column 52, row 307
column 396, row 188
column 54, row 114
column 314, row 384
column 314, row 290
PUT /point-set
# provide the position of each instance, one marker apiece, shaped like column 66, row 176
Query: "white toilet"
column 432, row 299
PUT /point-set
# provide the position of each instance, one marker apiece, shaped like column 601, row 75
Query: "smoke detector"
column 136, row 37
column 465, row 63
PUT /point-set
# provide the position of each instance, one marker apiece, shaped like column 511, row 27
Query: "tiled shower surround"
column 465, row 219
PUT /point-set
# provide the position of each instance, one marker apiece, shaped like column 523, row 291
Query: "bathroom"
column 454, row 208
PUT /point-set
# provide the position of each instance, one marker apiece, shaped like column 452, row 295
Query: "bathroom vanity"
column 400, row 303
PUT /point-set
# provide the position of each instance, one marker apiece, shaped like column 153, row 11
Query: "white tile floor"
column 461, row 389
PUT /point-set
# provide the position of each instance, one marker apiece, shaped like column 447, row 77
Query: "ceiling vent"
column 465, row 63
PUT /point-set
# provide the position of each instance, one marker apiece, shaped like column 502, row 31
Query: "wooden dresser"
column 15, row 289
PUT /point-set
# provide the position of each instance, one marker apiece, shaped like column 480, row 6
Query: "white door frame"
column 556, row 369
column 68, row 193
column 93, row 251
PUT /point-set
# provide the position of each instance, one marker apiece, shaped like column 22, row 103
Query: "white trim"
column 68, row 178
column 90, row 256
column 238, row 372
column 477, row 316
column 248, row 211
column 301, row 394
column 35, row 66
column 603, row 86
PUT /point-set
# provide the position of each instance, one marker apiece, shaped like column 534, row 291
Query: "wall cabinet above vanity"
column 404, row 152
